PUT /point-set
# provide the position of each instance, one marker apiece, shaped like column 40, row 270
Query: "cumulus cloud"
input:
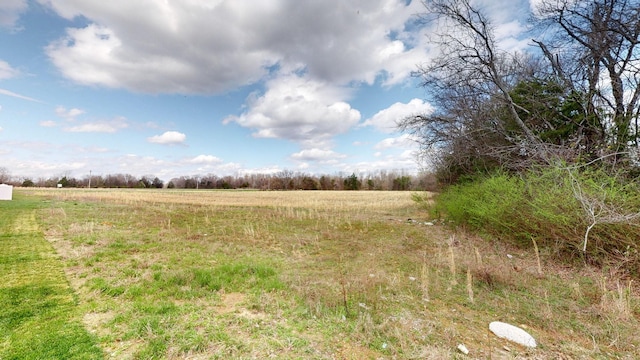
column 317, row 155
column 70, row 114
column 298, row 109
column 403, row 141
column 48, row 123
column 404, row 162
column 216, row 46
column 10, row 11
column 7, row 71
column 168, row 138
column 107, row 126
column 37, row 168
column 386, row 120
column 205, row 159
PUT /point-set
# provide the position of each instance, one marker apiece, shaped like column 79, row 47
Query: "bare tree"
column 578, row 98
column 599, row 206
column 593, row 47
column 470, row 58
column 477, row 122
column 5, row 175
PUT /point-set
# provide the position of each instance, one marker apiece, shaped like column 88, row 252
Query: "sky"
column 228, row 87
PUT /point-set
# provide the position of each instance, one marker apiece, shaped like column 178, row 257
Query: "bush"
column 562, row 208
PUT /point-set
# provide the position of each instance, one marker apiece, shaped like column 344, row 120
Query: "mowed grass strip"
column 39, row 318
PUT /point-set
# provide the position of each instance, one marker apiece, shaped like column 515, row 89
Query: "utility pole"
column 89, row 179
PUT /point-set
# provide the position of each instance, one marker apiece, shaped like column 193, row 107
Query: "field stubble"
column 346, row 275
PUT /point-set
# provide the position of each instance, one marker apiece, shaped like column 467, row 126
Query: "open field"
column 158, row 274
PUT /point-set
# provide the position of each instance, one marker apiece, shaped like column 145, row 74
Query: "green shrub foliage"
column 554, row 206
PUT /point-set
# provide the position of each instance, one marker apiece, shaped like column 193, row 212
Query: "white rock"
column 463, row 349
column 512, row 333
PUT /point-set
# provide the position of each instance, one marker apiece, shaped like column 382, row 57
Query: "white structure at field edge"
column 6, row 192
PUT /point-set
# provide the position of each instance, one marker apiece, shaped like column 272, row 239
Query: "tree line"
column 283, row 180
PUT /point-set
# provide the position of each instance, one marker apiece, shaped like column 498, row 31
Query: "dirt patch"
column 230, row 302
column 94, row 321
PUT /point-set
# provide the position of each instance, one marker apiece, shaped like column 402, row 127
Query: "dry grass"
column 327, row 275
column 289, row 202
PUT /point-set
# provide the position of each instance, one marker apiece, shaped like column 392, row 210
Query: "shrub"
column 577, row 212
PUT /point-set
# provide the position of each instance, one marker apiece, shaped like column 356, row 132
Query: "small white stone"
column 512, row 333
column 412, row 278
column 463, row 349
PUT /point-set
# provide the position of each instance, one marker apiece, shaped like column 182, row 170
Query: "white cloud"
column 403, row 141
column 6, row 71
column 205, row 159
column 12, row 94
column 37, row 168
column 317, row 155
column 386, row 120
column 92, row 149
column 405, row 161
column 10, row 11
column 70, row 114
column 216, row 46
column 48, row 123
column 108, row 126
column 168, row 138
column 299, row 109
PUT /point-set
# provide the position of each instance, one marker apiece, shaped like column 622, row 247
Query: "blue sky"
column 170, row 88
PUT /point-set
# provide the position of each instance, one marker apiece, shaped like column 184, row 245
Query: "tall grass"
column 584, row 214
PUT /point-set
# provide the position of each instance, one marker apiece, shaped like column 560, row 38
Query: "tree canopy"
column 571, row 97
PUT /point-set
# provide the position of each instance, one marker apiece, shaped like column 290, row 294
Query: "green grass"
column 39, row 317
column 220, row 280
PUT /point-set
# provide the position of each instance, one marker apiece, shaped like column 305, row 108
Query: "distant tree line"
column 283, row 180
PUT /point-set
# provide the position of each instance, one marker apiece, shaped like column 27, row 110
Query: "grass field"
column 158, row 274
